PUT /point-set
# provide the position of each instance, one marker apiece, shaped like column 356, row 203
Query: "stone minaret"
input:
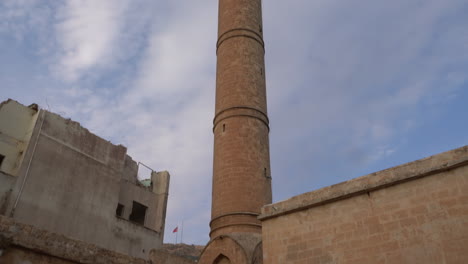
column 241, row 166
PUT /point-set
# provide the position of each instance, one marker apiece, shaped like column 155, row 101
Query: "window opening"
column 224, row 127
column 138, row 213
column 1, row 159
column 221, row 259
column 265, row 172
column 119, row 211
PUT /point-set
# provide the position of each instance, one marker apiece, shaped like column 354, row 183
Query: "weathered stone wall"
column 154, row 197
column 16, row 126
column 21, row 243
column 163, row 257
column 18, row 255
column 7, row 182
column 414, row 213
column 70, row 181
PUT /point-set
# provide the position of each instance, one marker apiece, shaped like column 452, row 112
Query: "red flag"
column 175, row 229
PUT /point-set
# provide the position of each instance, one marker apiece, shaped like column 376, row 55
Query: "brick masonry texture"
column 241, row 164
column 413, row 213
column 241, row 170
column 236, row 248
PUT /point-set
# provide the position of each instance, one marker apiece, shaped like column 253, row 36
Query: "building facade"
column 57, row 176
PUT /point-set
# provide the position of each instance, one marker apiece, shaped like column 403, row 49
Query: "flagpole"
column 182, row 233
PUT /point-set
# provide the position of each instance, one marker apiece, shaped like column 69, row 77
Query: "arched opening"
column 257, row 257
column 221, row 259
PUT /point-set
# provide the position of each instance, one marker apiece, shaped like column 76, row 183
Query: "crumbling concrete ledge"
column 407, row 172
column 14, row 234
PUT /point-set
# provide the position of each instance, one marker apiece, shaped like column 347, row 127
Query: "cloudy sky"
column 354, row 86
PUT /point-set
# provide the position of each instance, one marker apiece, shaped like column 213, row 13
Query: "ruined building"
column 57, row 176
column 413, row 213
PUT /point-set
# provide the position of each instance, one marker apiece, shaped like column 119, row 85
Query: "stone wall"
column 154, row 197
column 159, row 256
column 414, row 213
column 7, row 182
column 15, row 136
column 20, row 243
column 71, row 181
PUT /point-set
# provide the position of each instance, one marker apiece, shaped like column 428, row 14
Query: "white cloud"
column 87, row 33
column 19, row 17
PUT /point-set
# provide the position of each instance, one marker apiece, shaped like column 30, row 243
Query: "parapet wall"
column 413, row 213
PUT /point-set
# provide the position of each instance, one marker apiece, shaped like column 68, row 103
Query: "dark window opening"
column 119, row 210
column 224, row 127
column 138, row 213
column 265, row 171
column 1, row 159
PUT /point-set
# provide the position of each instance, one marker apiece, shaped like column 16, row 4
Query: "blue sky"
column 353, row 86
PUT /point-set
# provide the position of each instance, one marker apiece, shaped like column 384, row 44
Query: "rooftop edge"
column 378, row 180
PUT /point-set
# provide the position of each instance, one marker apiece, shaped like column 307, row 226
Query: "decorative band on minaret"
column 241, row 164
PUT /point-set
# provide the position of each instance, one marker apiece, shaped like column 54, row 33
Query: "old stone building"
column 57, row 176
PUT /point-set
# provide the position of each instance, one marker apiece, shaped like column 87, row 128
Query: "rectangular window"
column 119, row 210
column 1, row 160
column 138, row 213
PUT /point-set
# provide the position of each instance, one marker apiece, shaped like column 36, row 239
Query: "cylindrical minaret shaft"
column 241, row 169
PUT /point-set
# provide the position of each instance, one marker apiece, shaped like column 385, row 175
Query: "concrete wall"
column 414, row 213
column 153, row 197
column 7, row 182
column 72, row 187
column 16, row 125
